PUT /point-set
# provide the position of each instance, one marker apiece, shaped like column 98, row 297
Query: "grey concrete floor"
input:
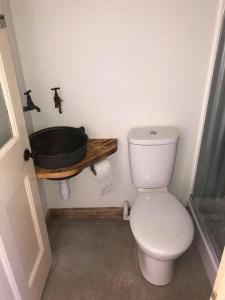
column 97, row 260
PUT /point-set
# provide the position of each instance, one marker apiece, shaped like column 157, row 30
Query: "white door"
column 25, row 255
column 218, row 292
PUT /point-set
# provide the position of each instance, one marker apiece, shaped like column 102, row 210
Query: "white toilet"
column 161, row 225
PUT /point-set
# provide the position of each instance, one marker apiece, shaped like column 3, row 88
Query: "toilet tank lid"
column 153, row 136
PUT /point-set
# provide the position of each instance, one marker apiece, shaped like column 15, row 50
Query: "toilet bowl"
column 161, row 225
column 163, row 230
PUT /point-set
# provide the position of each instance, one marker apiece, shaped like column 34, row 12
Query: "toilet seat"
column 161, row 225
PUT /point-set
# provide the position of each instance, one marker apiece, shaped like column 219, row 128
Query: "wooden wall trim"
column 85, row 213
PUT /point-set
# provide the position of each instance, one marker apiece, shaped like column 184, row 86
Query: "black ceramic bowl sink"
column 58, row 147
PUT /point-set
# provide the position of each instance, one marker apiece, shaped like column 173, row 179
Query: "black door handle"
column 27, row 154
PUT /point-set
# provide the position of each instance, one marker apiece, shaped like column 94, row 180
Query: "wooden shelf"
column 97, row 149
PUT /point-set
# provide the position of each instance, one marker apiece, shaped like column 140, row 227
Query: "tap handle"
column 55, row 89
column 27, row 92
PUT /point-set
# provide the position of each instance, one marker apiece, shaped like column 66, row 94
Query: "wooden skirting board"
column 85, row 213
column 97, row 149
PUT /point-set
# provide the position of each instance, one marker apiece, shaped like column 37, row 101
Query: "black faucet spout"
column 30, row 103
column 57, row 99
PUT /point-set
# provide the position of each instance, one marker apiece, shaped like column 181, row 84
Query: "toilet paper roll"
column 103, row 173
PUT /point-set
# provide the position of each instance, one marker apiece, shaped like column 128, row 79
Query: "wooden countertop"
column 97, row 149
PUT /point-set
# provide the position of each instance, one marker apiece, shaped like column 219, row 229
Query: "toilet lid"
column 161, row 224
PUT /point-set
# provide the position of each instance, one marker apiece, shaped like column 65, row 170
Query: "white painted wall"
column 120, row 64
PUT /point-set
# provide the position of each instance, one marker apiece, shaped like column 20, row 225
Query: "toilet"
column 161, row 225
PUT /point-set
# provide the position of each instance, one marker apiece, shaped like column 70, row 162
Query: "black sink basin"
column 58, row 147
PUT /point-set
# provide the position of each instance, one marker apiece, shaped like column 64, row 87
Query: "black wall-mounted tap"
column 58, row 101
column 30, row 103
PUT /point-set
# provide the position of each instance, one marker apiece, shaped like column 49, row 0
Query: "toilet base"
column 157, row 272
